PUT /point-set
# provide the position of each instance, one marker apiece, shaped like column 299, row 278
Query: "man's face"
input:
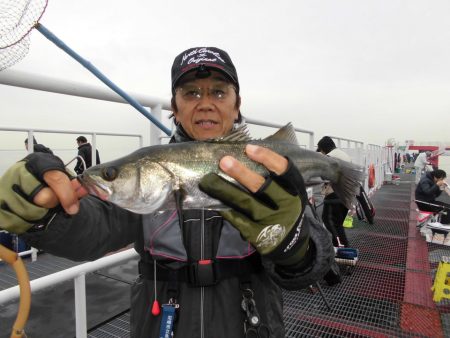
column 206, row 108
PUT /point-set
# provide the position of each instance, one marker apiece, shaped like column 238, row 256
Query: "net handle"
column 89, row 66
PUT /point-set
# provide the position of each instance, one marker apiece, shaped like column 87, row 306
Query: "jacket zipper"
column 202, row 289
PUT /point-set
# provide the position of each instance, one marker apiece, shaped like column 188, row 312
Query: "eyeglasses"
column 217, row 92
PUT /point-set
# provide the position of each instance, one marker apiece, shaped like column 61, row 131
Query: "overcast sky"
column 366, row 70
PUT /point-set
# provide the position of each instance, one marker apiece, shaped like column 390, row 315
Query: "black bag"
column 364, row 208
column 333, row 276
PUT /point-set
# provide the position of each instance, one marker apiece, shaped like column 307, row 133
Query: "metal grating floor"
column 388, row 293
column 117, row 327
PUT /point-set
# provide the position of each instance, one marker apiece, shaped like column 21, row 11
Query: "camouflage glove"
column 271, row 218
column 18, row 187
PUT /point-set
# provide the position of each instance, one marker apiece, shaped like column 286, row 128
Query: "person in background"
column 85, row 152
column 408, row 158
column 429, row 188
column 334, row 211
column 434, row 159
column 421, row 163
column 220, row 273
column 37, row 147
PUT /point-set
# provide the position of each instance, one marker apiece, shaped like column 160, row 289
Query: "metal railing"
column 93, row 134
column 77, row 274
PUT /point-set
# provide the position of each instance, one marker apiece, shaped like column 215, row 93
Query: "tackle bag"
column 364, row 207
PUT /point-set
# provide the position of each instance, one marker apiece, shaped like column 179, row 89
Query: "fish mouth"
column 95, row 188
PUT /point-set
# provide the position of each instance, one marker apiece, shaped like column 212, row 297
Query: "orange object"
column 13, row 259
column 371, row 176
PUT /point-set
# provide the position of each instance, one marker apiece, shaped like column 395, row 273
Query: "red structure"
column 434, row 159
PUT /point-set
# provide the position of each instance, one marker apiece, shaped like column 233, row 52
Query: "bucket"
column 348, row 222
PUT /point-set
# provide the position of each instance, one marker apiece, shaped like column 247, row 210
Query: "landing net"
column 17, row 20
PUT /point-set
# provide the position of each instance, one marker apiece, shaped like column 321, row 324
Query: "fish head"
column 140, row 186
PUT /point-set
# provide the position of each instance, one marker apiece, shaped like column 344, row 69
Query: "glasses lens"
column 189, row 92
column 218, row 91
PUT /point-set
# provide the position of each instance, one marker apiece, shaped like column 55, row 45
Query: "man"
column 84, row 159
column 421, row 163
column 37, row 147
column 334, row 211
column 201, row 264
column 429, row 188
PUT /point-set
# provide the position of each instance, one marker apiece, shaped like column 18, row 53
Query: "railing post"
column 30, row 147
column 94, row 149
column 155, row 132
column 311, row 142
column 34, row 252
column 80, row 306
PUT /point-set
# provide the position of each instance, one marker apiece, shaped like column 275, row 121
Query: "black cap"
column 326, row 144
column 203, row 58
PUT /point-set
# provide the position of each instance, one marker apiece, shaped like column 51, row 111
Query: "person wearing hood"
column 219, row 274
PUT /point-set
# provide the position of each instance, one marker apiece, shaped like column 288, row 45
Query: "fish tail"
column 348, row 183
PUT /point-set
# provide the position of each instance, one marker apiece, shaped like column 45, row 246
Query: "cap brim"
column 208, row 66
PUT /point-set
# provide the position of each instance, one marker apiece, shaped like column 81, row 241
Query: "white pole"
column 155, row 132
column 80, row 306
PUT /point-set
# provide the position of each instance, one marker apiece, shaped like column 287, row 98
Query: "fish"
column 152, row 178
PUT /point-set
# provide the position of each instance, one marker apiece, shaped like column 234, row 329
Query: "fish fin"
column 240, row 134
column 313, row 181
column 348, row 183
column 285, row 134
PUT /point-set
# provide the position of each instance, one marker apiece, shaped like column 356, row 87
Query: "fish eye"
column 109, row 173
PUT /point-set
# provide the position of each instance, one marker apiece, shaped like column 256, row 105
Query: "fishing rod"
column 433, row 205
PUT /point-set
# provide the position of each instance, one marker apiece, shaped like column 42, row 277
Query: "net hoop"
column 18, row 18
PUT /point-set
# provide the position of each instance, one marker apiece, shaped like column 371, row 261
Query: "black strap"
column 204, row 273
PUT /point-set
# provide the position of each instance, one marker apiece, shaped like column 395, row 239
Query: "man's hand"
column 269, row 215
column 248, row 178
column 60, row 190
column 33, row 186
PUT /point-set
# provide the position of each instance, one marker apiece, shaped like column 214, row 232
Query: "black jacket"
column 427, row 190
column 205, row 311
column 85, row 151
